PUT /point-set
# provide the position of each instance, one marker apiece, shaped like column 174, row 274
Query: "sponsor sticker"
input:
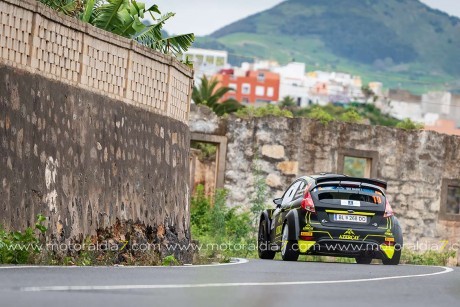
column 349, row 235
column 352, row 203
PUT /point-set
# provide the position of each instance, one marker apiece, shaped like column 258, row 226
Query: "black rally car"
column 330, row 214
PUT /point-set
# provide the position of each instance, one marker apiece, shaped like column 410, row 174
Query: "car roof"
column 325, row 175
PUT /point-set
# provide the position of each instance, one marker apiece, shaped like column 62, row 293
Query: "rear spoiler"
column 344, row 180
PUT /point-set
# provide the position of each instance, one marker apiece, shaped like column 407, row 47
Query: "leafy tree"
column 209, row 93
column 368, row 93
column 126, row 18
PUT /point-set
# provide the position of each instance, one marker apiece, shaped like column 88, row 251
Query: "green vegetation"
column 351, row 116
column 207, row 151
column 170, row 261
column 352, row 113
column 320, row 114
column 412, row 46
column 287, row 102
column 210, row 94
column 268, row 110
column 18, row 247
column 223, row 232
column 408, row 124
column 126, row 18
column 354, row 167
column 440, row 258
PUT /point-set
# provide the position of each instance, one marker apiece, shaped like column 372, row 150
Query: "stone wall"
column 93, row 129
column 85, row 160
column 415, row 164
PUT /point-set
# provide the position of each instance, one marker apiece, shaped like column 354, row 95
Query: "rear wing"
column 344, row 180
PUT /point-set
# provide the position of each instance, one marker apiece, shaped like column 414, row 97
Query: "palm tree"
column 126, row 18
column 209, row 94
column 288, row 102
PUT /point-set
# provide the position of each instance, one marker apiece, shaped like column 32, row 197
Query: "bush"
column 268, row 110
column 321, row 115
column 214, row 224
column 351, row 116
column 408, row 124
column 18, row 247
column 440, row 258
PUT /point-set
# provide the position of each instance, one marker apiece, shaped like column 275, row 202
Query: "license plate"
column 350, row 218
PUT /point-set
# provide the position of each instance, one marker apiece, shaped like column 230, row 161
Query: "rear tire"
column 289, row 249
column 363, row 260
column 263, row 243
column 398, row 246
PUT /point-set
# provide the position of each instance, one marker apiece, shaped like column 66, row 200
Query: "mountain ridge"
column 415, row 45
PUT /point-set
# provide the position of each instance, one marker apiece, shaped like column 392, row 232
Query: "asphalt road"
column 256, row 283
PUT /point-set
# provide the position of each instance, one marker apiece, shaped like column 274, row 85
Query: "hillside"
column 403, row 43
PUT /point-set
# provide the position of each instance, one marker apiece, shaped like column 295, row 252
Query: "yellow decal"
column 388, row 250
column 278, row 230
column 308, row 227
column 124, row 245
column 349, row 235
column 388, row 233
column 306, row 234
column 304, row 246
column 445, row 242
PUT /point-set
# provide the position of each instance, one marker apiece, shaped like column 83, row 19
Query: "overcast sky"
column 205, row 16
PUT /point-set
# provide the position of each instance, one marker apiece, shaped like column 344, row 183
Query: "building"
column 295, row 84
column 251, row 86
column 206, row 62
column 402, row 104
column 444, row 126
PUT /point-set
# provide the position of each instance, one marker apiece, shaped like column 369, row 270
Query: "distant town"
column 268, row 82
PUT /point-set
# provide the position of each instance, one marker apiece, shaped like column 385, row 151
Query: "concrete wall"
column 93, row 128
column 415, row 164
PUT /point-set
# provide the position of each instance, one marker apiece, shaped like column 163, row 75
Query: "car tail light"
column 307, row 203
column 388, row 210
column 306, row 236
column 389, row 241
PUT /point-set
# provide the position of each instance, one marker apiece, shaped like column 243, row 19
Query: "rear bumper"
column 344, row 248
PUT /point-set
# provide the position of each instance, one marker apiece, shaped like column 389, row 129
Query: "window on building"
column 210, row 60
column 261, row 77
column 270, row 92
column 233, row 86
column 453, row 200
column 450, row 200
column 299, row 101
column 245, row 100
column 260, row 90
column 357, row 167
column 246, row 89
column 199, row 59
column 220, row 61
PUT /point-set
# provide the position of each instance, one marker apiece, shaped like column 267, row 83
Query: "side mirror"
column 278, row 201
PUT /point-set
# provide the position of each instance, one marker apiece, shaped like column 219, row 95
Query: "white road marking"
column 235, row 261
column 220, row 285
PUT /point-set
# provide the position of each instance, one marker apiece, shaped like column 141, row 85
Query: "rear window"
column 368, row 195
